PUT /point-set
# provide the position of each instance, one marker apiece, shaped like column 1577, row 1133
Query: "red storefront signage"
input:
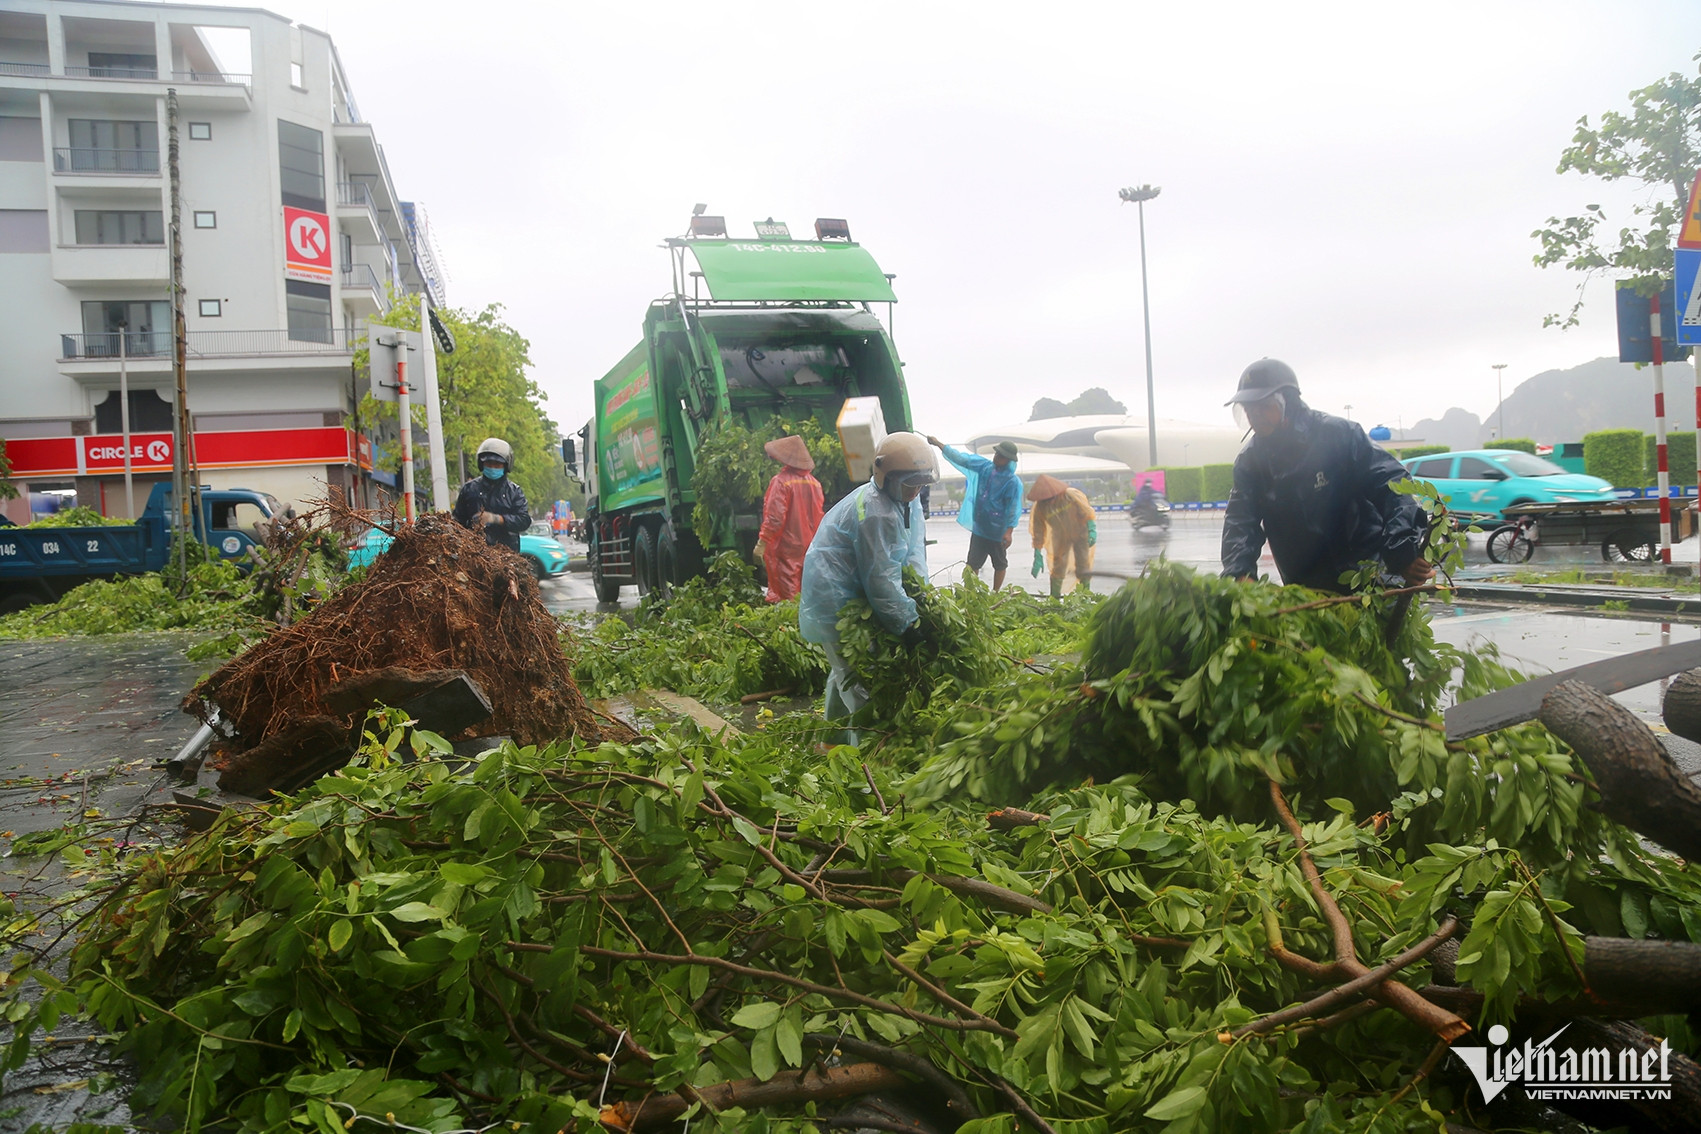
column 363, row 451
column 307, row 245
column 103, row 454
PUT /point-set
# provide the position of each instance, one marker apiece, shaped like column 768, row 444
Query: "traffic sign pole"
column 1660, row 426
column 407, row 433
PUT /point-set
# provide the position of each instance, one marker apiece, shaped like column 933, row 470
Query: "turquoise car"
column 1482, row 484
column 547, row 557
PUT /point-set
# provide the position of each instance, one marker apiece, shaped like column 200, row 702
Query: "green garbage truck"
column 787, row 331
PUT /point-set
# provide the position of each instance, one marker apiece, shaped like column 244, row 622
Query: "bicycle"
column 1513, row 541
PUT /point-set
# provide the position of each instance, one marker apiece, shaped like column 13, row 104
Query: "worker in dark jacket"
column 491, row 500
column 1317, row 489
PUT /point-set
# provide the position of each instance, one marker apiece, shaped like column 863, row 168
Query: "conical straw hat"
column 790, row 451
column 1045, row 487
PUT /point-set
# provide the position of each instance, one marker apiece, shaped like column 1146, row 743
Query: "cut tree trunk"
column 1627, row 979
column 1639, row 784
column 1682, row 707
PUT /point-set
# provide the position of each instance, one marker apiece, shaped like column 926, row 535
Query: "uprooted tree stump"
column 1639, row 784
column 1682, row 705
column 439, row 598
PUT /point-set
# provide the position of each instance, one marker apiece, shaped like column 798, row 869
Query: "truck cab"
column 43, row 564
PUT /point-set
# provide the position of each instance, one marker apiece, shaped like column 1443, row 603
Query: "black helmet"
column 1263, row 378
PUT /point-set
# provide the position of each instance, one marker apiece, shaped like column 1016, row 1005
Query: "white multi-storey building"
column 292, row 237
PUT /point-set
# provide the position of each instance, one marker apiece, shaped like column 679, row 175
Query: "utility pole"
column 180, row 351
column 124, row 416
column 433, row 408
column 1140, row 196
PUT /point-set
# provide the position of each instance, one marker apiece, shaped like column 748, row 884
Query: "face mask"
column 494, row 472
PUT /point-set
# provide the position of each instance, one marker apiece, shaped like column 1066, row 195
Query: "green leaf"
column 759, row 1014
column 341, row 930
column 764, row 1055
column 788, row 1035
column 1178, row 1104
column 463, row 873
column 417, row 911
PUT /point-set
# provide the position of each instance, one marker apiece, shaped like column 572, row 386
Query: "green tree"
column 1656, row 146
column 486, row 393
column 8, row 490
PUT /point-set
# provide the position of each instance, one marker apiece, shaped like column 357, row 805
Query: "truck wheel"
column 607, row 590
column 667, row 562
column 12, row 603
column 1627, row 546
column 644, row 559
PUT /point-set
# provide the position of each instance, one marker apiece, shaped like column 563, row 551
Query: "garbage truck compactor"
column 787, row 331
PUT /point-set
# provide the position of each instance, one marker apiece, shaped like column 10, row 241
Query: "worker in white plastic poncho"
column 860, row 551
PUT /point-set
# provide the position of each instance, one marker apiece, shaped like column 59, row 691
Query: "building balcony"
column 358, row 213
column 111, row 264
column 204, row 88
column 97, row 355
column 363, row 292
column 98, row 161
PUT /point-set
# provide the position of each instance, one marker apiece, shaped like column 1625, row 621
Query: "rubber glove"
column 912, row 635
column 1039, row 561
column 1092, row 532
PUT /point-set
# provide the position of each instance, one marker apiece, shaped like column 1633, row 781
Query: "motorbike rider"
column 1316, row 488
column 491, row 500
column 860, row 551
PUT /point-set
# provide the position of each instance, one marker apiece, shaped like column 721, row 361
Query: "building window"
column 200, row 131
column 145, row 324
column 120, row 226
column 298, row 76
column 309, row 311
column 149, row 413
column 206, row 219
column 211, row 309
column 121, row 65
column 102, row 146
column 301, row 162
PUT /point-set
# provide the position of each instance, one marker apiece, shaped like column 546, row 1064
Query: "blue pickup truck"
column 41, row 564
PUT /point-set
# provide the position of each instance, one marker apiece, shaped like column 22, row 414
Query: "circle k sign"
column 307, row 245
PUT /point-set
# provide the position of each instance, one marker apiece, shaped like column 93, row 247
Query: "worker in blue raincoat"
column 1315, row 488
column 860, row 551
column 992, row 504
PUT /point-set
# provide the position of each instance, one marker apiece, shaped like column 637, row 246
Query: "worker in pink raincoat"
column 791, row 511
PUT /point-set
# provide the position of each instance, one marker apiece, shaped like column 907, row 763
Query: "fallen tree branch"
column 946, row 998
column 1446, row 1025
column 956, row 1099
column 1354, row 988
column 1010, row 818
column 813, row 1084
column 966, row 887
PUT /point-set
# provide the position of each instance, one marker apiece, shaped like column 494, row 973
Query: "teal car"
column 546, row 557
column 1483, row 484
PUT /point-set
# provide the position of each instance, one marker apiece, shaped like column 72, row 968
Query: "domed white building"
column 1117, row 437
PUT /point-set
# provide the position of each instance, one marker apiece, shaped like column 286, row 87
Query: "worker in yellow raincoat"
column 1064, row 523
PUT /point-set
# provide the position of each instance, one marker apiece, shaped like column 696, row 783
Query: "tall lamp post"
column 1500, row 400
column 1139, row 197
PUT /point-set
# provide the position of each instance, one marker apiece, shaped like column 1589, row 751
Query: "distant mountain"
column 1562, row 405
column 1457, row 429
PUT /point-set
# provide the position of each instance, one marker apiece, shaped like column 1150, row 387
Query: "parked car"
column 548, row 558
column 1483, row 483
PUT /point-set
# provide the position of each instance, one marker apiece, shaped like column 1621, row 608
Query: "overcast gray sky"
column 1350, row 187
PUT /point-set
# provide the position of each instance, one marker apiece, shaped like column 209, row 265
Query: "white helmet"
column 495, row 447
column 908, row 458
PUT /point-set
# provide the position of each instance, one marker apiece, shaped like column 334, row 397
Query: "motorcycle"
column 1150, row 514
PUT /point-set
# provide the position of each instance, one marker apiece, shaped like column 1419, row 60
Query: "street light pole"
column 1500, row 400
column 1139, row 197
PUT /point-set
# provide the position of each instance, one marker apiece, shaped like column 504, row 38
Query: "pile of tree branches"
column 1190, row 910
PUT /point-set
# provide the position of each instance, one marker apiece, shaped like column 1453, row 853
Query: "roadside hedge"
column 1182, row 485
column 1421, row 451
column 1680, row 458
column 1522, row 444
column 1616, row 456
column 1217, row 480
